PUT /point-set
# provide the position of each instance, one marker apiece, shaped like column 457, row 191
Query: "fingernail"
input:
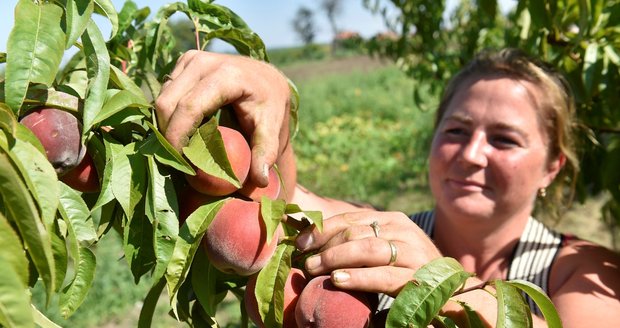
column 304, row 241
column 340, row 276
column 265, row 171
column 313, row 262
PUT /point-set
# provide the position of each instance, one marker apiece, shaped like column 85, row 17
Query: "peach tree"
column 81, row 156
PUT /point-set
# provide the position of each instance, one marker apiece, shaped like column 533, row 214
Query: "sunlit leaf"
column 8, row 121
column 590, row 68
column 77, row 212
column 150, row 303
column 542, row 301
column 270, row 283
column 128, row 178
column 272, row 212
column 78, row 13
column 158, row 146
column 206, row 151
column 98, row 70
column 106, row 8
column 188, row 241
column 162, row 209
column 41, row 320
column 316, row 217
column 15, row 308
column 119, row 101
column 12, row 251
column 204, row 281
column 421, row 299
column 34, row 50
column 39, row 175
column 512, row 310
column 21, row 210
column 74, row 294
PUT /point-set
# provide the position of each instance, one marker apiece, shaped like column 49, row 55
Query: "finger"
column 368, row 252
column 204, row 99
column 385, row 279
column 167, row 99
column 312, row 238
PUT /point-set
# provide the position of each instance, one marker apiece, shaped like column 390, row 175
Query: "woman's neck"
column 481, row 246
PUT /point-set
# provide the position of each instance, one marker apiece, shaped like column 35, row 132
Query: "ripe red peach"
column 295, row 283
column 239, row 156
column 236, row 239
column 60, row 134
column 272, row 190
column 83, row 177
column 321, row 304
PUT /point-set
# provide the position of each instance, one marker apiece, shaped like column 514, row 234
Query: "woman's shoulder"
column 581, row 262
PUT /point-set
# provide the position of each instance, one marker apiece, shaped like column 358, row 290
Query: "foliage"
column 580, row 38
column 49, row 231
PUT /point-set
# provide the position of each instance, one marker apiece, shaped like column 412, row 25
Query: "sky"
column 270, row 19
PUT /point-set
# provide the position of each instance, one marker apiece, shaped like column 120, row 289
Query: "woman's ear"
column 553, row 168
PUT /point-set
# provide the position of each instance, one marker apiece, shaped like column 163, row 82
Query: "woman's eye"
column 505, row 141
column 455, row 131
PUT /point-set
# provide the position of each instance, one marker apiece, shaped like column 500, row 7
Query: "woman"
column 502, row 136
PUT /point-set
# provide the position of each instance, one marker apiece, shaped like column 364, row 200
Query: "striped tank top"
column 531, row 260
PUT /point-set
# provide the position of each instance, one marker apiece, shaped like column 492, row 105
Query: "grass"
column 362, row 137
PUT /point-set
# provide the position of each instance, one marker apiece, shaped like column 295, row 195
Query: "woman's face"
column 489, row 153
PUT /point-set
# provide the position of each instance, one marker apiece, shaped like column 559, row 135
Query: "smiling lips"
column 467, row 185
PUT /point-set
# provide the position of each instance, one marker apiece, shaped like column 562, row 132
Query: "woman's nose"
column 474, row 150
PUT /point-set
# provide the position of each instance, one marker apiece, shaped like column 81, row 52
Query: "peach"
column 236, row 239
column 295, row 283
column 321, row 304
column 239, row 156
column 60, row 134
column 83, row 177
column 254, row 192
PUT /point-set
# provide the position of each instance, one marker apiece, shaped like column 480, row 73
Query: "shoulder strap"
column 534, row 256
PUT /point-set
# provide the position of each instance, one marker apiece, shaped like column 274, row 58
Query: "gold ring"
column 375, row 227
column 393, row 252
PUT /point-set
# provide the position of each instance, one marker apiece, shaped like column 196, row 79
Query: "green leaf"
column 34, row 50
column 74, row 294
column 272, row 212
column 489, row 7
column 150, row 303
column 98, row 70
column 21, row 210
column 122, row 81
column 421, row 299
column 14, row 301
column 158, row 146
column 206, row 151
column 119, row 101
column 316, row 217
column 270, row 283
column 204, row 281
column 39, row 176
column 512, row 310
column 8, row 121
column 128, row 178
column 12, row 251
column 190, row 236
column 473, row 319
column 78, row 13
column 40, row 95
column 542, row 301
column 162, row 209
column 59, row 247
column 41, row 320
column 540, row 14
column 138, row 244
column 106, row 8
column 113, row 149
column 73, row 207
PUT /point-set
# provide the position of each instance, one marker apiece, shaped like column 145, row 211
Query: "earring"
column 542, row 192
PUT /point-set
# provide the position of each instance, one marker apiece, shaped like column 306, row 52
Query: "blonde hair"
column 555, row 110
